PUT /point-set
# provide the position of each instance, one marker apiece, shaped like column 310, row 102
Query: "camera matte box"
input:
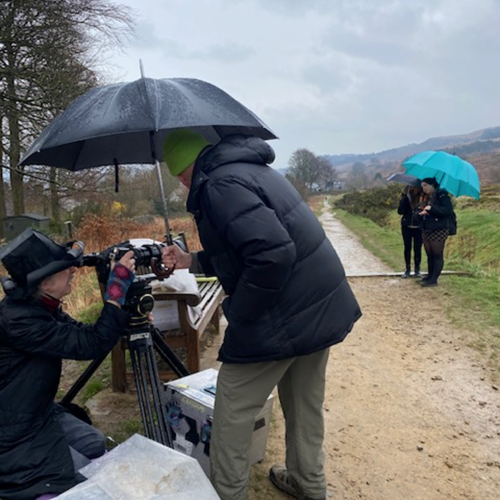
column 190, row 405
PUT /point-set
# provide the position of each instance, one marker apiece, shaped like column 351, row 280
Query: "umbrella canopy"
column 455, row 175
column 411, row 180
column 126, row 123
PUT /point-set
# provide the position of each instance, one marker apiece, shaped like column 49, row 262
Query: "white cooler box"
column 190, row 405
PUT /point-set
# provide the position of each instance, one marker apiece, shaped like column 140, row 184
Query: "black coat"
column 440, row 213
column 287, row 290
column 409, row 215
column 34, row 454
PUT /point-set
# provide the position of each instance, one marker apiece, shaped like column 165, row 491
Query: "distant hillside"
column 480, row 141
column 481, row 148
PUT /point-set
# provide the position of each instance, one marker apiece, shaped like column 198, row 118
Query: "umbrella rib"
column 77, row 157
column 152, row 110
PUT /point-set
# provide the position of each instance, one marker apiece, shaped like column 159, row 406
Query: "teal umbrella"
column 455, row 175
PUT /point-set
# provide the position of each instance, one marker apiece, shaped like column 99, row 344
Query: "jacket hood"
column 231, row 149
column 237, row 148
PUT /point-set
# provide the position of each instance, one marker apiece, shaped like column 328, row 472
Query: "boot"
column 417, row 272
column 428, row 282
column 280, row 478
column 406, row 274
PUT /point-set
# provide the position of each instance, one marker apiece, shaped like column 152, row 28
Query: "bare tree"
column 307, row 171
column 303, row 167
column 47, row 51
column 327, row 174
column 358, row 177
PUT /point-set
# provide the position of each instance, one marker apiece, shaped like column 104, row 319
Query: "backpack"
column 452, row 223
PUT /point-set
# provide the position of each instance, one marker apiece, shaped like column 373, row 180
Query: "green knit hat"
column 181, row 148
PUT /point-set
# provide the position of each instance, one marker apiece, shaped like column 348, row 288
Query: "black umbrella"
column 126, row 123
column 404, row 179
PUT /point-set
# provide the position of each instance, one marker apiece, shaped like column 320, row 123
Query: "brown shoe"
column 281, row 479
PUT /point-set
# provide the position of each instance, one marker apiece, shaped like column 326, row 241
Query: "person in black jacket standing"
column 435, row 220
column 287, row 302
column 42, row 445
column 410, row 229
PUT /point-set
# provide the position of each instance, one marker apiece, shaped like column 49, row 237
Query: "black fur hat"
column 31, row 257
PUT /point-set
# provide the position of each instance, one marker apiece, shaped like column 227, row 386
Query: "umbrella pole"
column 164, row 202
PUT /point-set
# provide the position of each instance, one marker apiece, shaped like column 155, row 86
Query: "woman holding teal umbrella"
column 453, row 173
column 435, row 223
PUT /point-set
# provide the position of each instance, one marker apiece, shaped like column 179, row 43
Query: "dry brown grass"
column 99, row 233
column 316, row 203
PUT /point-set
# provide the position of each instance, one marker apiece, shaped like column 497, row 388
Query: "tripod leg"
column 143, row 396
column 167, row 354
column 158, row 400
column 82, row 380
column 149, row 387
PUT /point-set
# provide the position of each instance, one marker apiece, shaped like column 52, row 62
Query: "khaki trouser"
column 242, row 390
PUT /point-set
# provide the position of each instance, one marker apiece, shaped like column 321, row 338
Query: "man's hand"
column 173, row 256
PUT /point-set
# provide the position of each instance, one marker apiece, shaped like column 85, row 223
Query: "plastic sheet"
column 143, row 469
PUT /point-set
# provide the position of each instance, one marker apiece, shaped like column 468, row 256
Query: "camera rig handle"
column 159, row 269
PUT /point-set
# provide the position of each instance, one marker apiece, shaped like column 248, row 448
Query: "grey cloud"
column 226, row 53
column 381, row 51
column 327, row 78
column 342, row 9
column 289, row 8
column 380, row 35
column 147, row 37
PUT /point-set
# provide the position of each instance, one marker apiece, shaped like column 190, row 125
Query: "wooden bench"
column 189, row 332
column 208, row 301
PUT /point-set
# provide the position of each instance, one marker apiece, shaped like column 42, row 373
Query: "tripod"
column 143, row 340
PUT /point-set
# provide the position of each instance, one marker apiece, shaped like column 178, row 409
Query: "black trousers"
column 412, row 236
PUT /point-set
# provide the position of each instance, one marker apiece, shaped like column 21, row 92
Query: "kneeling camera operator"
column 43, row 444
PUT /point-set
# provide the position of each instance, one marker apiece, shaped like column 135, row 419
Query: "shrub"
column 375, row 204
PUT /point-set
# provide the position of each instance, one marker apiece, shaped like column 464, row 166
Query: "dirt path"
column 357, row 260
column 410, row 412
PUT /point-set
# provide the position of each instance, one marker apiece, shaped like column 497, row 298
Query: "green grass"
column 126, row 429
column 471, row 301
column 477, row 242
column 90, row 314
column 92, row 387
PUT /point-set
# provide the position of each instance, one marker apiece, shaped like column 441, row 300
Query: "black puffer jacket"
column 287, row 291
column 440, row 213
column 34, row 454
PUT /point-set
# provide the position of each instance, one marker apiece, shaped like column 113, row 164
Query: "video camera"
column 147, row 255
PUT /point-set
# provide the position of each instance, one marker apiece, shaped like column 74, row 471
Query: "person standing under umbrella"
column 410, row 230
column 288, row 302
column 435, row 220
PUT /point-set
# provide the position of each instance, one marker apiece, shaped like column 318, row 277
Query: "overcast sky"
column 333, row 76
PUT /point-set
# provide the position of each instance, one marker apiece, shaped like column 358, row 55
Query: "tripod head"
column 139, row 301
